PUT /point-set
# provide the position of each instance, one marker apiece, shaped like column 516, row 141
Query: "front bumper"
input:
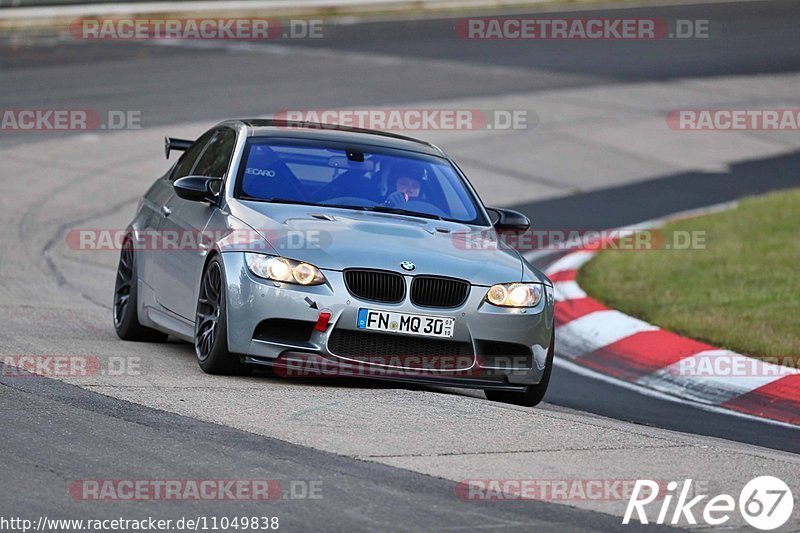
column 503, row 348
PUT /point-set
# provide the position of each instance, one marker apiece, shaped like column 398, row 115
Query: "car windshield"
column 355, row 177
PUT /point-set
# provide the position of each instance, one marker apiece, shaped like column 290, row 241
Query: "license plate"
column 429, row 326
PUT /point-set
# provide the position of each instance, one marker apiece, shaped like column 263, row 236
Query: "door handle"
column 166, row 211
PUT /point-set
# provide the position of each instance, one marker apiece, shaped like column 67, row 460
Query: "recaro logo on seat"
column 260, row 172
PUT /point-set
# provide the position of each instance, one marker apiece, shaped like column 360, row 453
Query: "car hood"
column 336, row 239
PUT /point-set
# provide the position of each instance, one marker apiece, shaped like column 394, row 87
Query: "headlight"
column 282, row 269
column 515, row 294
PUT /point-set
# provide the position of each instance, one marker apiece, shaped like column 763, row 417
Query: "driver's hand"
column 396, row 198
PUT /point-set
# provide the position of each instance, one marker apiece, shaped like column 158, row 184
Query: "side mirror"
column 197, row 188
column 509, row 220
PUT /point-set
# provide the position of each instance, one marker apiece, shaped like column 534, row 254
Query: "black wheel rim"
column 124, row 283
column 208, row 311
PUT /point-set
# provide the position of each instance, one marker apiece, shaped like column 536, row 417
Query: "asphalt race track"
column 388, row 457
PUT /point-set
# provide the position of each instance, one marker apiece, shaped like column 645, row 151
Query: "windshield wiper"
column 376, row 208
column 400, row 211
column 337, row 206
column 277, row 200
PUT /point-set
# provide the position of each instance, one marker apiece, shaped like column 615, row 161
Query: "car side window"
column 189, row 158
column 217, row 155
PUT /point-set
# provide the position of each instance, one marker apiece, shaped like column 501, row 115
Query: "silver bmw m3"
column 319, row 250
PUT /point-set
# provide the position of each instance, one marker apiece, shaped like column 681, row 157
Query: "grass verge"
column 741, row 291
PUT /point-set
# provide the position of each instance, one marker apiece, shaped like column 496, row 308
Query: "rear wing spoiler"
column 171, row 143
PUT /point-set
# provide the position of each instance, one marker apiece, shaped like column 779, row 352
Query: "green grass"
column 741, row 292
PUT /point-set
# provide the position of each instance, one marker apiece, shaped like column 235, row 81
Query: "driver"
column 408, row 186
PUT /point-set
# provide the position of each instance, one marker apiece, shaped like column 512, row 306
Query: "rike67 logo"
column 766, row 503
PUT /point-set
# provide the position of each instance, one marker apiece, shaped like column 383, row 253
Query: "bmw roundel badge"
column 408, row 265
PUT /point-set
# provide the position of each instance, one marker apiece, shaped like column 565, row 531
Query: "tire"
column 533, row 394
column 211, row 325
column 124, row 310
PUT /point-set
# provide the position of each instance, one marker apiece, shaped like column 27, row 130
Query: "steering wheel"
column 423, row 207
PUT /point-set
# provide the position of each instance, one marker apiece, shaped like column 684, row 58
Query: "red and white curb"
column 633, row 352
